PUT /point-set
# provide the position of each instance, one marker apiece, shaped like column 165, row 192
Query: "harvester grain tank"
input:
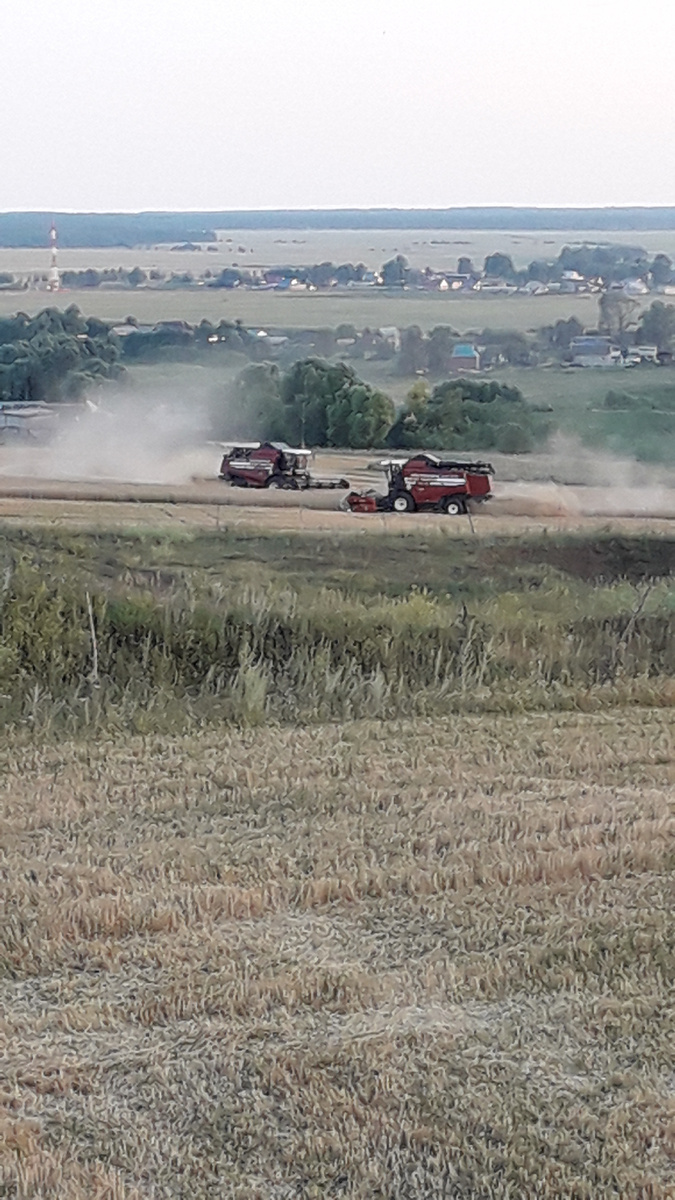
column 426, row 482
column 272, row 465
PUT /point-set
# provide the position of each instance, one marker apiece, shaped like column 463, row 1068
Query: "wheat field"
column 377, row 959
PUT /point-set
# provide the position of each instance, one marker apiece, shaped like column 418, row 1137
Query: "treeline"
column 411, row 351
column 601, row 264
column 326, row 404
column 55, row 355
column 91, row 277
column 133, row 229
column 585, row 267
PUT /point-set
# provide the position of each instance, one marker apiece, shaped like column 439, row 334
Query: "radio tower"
column 53, row 281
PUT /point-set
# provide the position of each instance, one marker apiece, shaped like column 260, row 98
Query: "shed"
column 464, row 357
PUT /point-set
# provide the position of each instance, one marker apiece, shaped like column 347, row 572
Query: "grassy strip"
column 154, row 632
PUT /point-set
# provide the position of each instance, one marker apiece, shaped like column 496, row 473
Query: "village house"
column 464, row 357
column 593, row 350
column 642, row 354
column 572, row 282
column 494, row 286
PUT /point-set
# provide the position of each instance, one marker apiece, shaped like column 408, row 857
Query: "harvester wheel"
column 403, row 503
column 454, row 508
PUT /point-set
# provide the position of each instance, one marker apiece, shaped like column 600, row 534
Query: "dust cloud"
column 573, row 480
column 154, row 436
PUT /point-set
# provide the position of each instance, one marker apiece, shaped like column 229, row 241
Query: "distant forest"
column 134, row 229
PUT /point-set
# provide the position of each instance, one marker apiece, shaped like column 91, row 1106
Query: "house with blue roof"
column 464, row 357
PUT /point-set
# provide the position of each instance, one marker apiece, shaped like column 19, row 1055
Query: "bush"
column 466, row 414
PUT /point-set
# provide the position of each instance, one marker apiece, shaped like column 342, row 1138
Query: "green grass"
column 159, row 632
column 577, row 399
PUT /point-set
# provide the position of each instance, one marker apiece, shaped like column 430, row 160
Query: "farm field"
column 426, row 957
column 372, row 308
column 264, row 248
column 276, row 247
column 343, row 868
column 84, row 474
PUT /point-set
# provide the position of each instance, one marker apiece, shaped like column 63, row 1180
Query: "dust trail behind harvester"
column 574, row 481
column 565, row 500
column 132, row 438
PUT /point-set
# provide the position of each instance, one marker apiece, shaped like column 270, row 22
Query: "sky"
column 126, row 105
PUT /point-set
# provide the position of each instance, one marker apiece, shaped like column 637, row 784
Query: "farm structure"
column 25, row 420
column 594, row 351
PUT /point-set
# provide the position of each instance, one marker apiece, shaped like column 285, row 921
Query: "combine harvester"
column 426, row 483
column 272, row 465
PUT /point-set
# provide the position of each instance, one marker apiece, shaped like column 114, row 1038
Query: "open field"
column 427, row 958
column 129, row 509
column 372, row 308
column 277, row 247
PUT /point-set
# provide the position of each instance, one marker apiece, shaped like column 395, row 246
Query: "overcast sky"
column 218, row 104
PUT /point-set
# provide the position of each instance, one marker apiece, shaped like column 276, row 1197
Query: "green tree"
column 253, row 407
column 661, row 270
column 326, row 404
column 500, row 266
column 466, row 414
column 562, row 333
column 657, row 326
column 617, row 314
column 54, row 355
column 414, row 351
column 395, row 272
column 439, row 349
column 541, row 271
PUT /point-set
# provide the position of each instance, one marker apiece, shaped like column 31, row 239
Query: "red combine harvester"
column 425, row 483
column 272, row 465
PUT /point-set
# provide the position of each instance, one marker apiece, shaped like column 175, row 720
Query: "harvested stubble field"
column 430, row 958
column 316, row 884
